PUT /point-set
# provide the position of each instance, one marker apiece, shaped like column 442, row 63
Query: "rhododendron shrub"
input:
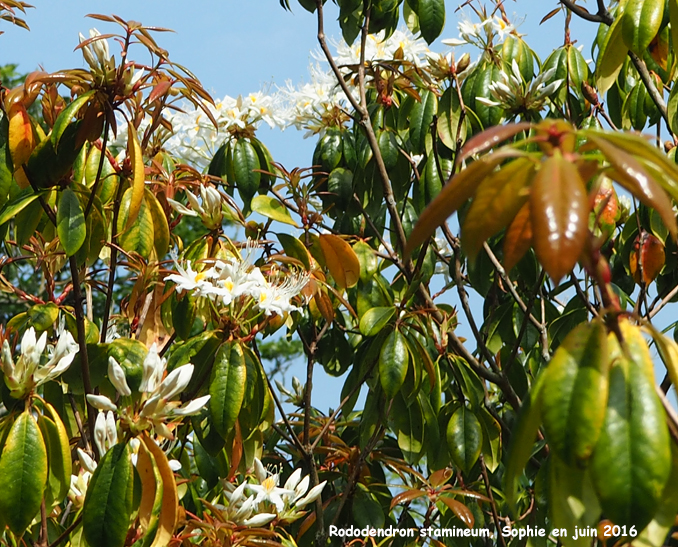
column 155, row 257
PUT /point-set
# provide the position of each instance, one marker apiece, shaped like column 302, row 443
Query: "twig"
column 603, row 16
column 493, row 504
column 67, row 532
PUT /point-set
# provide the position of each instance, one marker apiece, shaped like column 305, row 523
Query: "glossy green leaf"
column 451, row 128
column 421, row 118
column 295, row 249
column 369, row 262
column 464, row 438
column 23, row 473
column 559, row 212
column 227, row 387
column 409, row 426
column 611, row 57
column 59, row 453
column 632, row 460
column 375, row 319
column 137, row 236
column 394, row 359
column 67, row 115
column 574, row 396
column 108, row 503
column 22, row 200
column 641, row 20
column 245, row 163
column 271, row 208
column 70, row 222
column 431, row 18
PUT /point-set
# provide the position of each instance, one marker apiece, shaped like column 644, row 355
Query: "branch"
column 603, row 16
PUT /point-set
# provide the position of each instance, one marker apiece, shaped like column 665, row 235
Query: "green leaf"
column 59, row 455
column 295, row 249
column 464, row 438
column 574, row 396
column 451, row 128
column 522, row 440
column 431, row 18
column 70, row 222
column 640, row 23
column 394, row 360
column 632, row 460
column 227, row 387
column 161, row 234
column 409, row 426
column 271, row 208
column 375, row 319
column 67, row 115
column 611, row 58
column 245, row 163
column 369, row 262
column 421, row 118
column 108, row 503
column 23, row 473
column 137, row 236
column 22, row 200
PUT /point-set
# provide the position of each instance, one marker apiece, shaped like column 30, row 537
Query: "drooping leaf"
column 227, row 387
column 341, row 260
column 108, row 503
column 496, row 202
column 23, row 473
column 611, row 57
column 138, row 177
column 431, row 18
column 641, row 20
column 518, row 238
column 169, row 508
column 559, row 214
column 632, row 461
column 375, row 319
column 70, row 222
column 394, row 360
column 574, row 396
column 464, row 438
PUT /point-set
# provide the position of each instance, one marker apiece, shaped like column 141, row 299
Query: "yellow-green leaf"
column 169, row 510
column 640, row 23
column 271, row 208
column 23, row 473
column 375, row 319
column 611, row 57
column 394, row 360
column 161, row 234
column 138, row 176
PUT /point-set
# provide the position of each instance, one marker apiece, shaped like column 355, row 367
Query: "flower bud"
column 117, row 377
column 101, row 402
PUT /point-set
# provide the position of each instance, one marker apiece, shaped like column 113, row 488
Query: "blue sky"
column 237, row 47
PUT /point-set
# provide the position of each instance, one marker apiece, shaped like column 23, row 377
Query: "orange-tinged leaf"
column 647, row 258
column 497, row 201
column 169, row 510
column 407, row 495
column 634, row 177
column 341, row 260
column 21, row 139
column 440, row 477
column 559, row 212
column 148, row 486
column 518, row 238
column 491, row 137
column 463, row 513
column 138, row 177
column 460, row 187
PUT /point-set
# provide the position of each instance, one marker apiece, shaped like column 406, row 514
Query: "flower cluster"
column 481, row 34
column 97, row 55
column 155, row 408
column 210, row 211
column 379, row 48
column 267, row 501
column 29, row 372
column 514, row 95
column 233, row 278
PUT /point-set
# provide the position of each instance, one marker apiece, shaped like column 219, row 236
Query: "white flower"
column 190, row 280
column 153, row 369
column 269, row 491
column 116, row 376
column 105, row 434
column 97, row 53
column 276, row 299
column 101, row 402
column 210, row 211
column 259, row 520
column 313, row 495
